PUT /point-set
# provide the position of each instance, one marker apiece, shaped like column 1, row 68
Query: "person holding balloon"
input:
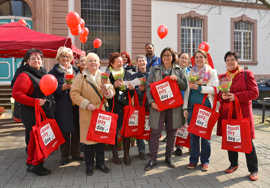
column 87, row 91
column 65, row 114
column 27, row 92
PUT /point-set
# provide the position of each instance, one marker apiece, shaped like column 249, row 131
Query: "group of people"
column 74, row 103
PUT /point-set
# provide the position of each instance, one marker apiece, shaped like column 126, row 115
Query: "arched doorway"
column 12, row 11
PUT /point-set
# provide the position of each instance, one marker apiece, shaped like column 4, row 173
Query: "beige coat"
column 83, row 94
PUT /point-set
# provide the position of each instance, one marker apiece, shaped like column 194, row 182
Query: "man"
column 152, row 59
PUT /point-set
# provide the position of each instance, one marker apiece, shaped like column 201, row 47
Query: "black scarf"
column 38, row 73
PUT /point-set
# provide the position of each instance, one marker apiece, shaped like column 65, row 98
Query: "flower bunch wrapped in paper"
column 197, row 76
column 225, row 84
column 105, row 75
column 69, row 78
column 143, row 81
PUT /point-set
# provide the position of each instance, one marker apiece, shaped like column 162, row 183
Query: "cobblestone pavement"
column 13, row 170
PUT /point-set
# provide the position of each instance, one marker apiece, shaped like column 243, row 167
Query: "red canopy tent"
column 16, row 39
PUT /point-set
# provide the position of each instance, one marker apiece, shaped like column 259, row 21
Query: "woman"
column 65, row 114
column 245, row 88
column 197, row 91
column 26, row 91
column 183, row 61
column 82, row 63
column 172, row 117
column 117, row 77
column 88, row 99
column 127, row 62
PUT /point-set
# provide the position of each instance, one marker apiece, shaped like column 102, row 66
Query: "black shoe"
column 169, row 163
column 164, row 140
column 39, row 170
column 89, row 171
column 45, row 169
column 103, row 168
column 150, row 165
column 178, row 152
column 64, row 161
column 142, row 156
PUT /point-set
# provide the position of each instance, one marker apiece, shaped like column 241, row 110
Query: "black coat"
column 64, row 113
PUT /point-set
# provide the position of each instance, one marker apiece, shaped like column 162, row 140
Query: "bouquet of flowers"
column 69, row 78
column 143, row 81
column 201, row 76
column 105, row 75
column 225, row 84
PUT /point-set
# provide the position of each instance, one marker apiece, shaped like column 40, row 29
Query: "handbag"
column 134, row 117
column 47, row 132
column 204, row 118
column 166, row 94
column 102, row 128
column 182, row 137
column 236, row 133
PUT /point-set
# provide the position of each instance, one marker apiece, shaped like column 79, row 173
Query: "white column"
column 71, row 6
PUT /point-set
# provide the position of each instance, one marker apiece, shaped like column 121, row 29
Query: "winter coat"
column 83, row 94
column 243, row 86
column 156, row 74
column 64, row 109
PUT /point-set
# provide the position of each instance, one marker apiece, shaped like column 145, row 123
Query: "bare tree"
column 265, row 2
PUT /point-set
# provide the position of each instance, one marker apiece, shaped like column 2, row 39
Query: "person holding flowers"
column 66, row 113
column 117, row 76
column 239, row 83
column 173, row 117
column 202, row 80
column 87, row 91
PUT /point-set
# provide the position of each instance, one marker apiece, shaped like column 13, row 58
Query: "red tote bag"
column 146, row 128
column 182, row 137
column 166, row 94
column 47, row 132
column 134, row 118
column 204, row 119
column 102, row 128
column 236, row 133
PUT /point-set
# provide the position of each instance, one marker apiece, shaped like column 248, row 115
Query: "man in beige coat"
column 88, row 99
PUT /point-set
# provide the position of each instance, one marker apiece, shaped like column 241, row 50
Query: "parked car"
column 264, row 90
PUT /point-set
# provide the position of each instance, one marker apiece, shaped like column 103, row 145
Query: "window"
column 191, row 31
column 15, row 8
column 244, row 39
column 102, row 17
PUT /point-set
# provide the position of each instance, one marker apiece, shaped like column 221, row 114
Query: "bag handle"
column 129, row 99
column 39, row 112
column 102, row 102
column 215, row 99
column 136, row 99
column 238, row 110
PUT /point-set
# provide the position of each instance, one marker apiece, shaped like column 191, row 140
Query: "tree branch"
column 265, row 2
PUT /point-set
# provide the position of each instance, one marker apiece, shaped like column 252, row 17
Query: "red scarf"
column 233, row 73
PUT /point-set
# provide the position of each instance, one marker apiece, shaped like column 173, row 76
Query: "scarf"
column 233, row 73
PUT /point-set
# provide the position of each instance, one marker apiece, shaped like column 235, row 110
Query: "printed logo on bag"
column 103, row 123
column 202, row 118
column 133, row 120
column 233, row 133
column 146, row 125
column 47, row 134
column 182, row 133
column 164, row 91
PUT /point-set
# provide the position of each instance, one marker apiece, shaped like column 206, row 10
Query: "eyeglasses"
column 167, row 55
column 65, row 56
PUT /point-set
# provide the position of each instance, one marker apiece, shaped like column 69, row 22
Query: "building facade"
column 126, row 25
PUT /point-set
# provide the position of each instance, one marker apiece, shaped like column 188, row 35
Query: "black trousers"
column 251, row 158
column 94, row 151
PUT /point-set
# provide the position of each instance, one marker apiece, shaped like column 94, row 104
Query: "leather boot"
column 126, row 142
column 89, row 159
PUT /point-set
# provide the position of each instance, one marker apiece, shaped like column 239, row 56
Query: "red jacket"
column 246, row 91
column 22, row 89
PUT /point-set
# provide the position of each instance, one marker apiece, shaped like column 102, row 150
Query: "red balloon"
column 85, row 31
column 76, row 30
column 204, row 46
column 23, row 22
column 97, row 43
column 83, row 38
column 82, row 23
column 48, row 84
column 162, row 31
column 73, row 19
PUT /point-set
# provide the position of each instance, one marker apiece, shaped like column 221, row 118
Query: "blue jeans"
column 195, row 152
column 140, row 145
